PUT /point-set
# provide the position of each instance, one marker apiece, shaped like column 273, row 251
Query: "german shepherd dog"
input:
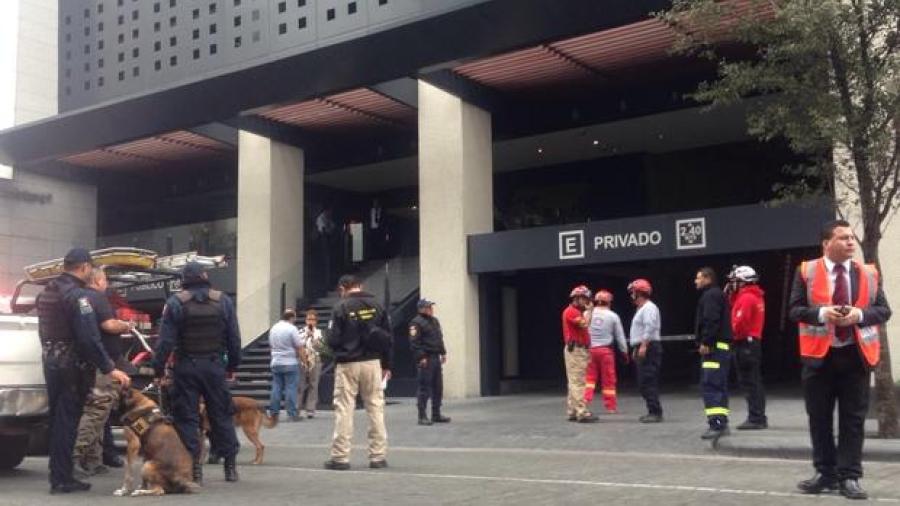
column 167, row 463
column 250, row 418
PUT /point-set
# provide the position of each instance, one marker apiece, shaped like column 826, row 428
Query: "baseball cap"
column 193, row 271
column 77, row 256
column 423, row 303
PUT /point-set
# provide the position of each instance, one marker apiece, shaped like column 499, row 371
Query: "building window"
column 87, row 31
column 173, row 21
column 329, row 14
column 196, row 14
column 121, row 19
column 254, row 16
column 196, row 33
column 156, row 7
column 172, row 3
column 68, row 73
column 135, row 53
column 100, row 26
column 100, row 81
column 121, row 57
column 87, row 49
column 87, row 67
column 121, row 38
column 173, row 41
column 173, row 61
column 68, row 20
column 212, row 8
column 382, row 2
column 282, row 7
column 256, row 36
column 212, row 29
column 100, row 8
column 282, row 28
column 157, row 26
column 301, row 3
column 134, row 15
column 100, row 63
column 157, row 46
column 136, row 71
column 213, row 49
column 237, row 21
column 87, row 85
column 120, row 2
column 237, row 3
column 68, row 37
column 301, row 23
column 237, row 42
column 351, row 8
column 157, row 65
column 121, row 75
column 196, row 54
column 68, row 55
column 135, row 33
column 87, row 13
column 100, row 45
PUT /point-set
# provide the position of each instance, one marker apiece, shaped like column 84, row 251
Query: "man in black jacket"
column 360, row 340
column 426, row 339
column 713, row 331
column 838, row 304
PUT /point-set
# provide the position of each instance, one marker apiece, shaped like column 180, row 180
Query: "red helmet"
column 640, row 285
column 604, row 296
column 580, row 291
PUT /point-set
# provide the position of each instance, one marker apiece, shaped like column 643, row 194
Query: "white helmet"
column 743, row 273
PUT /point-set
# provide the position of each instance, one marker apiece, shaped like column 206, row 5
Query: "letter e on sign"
column 571, row 245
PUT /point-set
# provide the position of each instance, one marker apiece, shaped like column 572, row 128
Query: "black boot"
column 436, row 417
column 423, row 420
column 231, row 473
column 197, row 472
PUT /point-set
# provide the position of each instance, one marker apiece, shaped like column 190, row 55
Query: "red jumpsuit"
column 606, row 332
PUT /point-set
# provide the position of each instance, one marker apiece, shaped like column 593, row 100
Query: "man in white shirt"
column 287, row 349
column 606, row 332
column 647, row 347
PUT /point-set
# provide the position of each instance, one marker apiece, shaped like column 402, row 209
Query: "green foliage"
column 829, row 70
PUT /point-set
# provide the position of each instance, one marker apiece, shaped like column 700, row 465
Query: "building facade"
column 485, row 154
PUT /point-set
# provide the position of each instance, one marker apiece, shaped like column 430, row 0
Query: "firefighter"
column 577, row 341
column 748, row 315
column 646, row 347
column 71, row 350
column 426, row 339
column 606, row 334
column 199, row 324
column 713, row 334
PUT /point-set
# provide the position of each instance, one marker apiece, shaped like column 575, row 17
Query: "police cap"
column 78, row 256
column 192, row 273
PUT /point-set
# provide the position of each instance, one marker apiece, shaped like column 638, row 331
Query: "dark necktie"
column 841, row 297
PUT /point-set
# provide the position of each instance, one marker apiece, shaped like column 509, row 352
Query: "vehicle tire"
column 14, row 450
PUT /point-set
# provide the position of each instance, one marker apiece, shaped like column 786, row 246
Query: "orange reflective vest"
column 815, row 340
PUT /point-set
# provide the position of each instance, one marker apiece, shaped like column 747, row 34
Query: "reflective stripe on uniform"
column 723, row 346
column 711, row 365
column 717, row 411
column 608, row 392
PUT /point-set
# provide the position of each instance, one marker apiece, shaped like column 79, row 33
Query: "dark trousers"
column 109, row 443
column 67, row 389
column 430, row 385
column 841, row 378
column 748, row 362
column 203, row 377
column 714, row 385
column 648, row 377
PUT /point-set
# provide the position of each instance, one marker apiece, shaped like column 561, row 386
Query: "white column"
column 269, row 230
column 890, row 274
column 455, row 200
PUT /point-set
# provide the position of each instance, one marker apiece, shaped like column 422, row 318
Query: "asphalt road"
column 513, row 450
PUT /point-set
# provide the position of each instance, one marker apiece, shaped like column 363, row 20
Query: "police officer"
column 426, row 339
column 199, row 324
column 71, row 350
column 713, row 331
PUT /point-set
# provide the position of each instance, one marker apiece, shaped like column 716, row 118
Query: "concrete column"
column 455, row 200
column 269, row 231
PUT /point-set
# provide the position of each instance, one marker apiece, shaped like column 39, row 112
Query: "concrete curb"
column 875, row 450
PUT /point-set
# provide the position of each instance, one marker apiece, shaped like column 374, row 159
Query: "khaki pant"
column 364, row 378
column 308, row 391
column 89, row 442
column 577, row 362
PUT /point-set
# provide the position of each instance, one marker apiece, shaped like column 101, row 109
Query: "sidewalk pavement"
column 537, row 421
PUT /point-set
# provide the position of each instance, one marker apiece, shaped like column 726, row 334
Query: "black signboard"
column 706, row 232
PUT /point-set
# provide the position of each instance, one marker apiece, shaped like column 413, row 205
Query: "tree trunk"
column 885, row 397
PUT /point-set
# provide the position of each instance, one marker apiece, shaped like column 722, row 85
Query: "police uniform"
column 71, row 352
column 713, row 329
column 200, row 326
column 426, row 339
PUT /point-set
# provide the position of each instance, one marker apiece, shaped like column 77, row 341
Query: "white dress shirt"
column 832, row 277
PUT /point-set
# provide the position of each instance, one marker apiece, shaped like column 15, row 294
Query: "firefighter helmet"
column 743, row 273
column 603, row 296
column 580, row 291
column 640, row 285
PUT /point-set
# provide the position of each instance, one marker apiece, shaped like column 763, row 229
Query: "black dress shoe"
column 438, row 418
column 378, row 464
column 818, row 484
column 69, row 487
column 423, row 420
column 336, row 466
column 748, row 425
column 113, row 461
column 852, row 490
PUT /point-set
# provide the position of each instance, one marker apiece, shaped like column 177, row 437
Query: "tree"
column 830, row 77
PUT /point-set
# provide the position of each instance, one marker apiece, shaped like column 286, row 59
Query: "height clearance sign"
column 706, row 232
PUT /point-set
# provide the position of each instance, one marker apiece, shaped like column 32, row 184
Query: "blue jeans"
column 284, row 379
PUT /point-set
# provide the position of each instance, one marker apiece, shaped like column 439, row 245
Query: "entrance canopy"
column 706, row 232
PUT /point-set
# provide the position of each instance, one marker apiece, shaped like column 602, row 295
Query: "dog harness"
column 142, row 421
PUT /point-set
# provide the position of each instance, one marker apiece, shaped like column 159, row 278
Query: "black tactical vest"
column 53, row 324
column 203, row 324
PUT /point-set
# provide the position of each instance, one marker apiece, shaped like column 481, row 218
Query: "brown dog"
column 250, row 418
column 167, row 463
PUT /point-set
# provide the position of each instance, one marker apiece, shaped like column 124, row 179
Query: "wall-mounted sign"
column 707, row 232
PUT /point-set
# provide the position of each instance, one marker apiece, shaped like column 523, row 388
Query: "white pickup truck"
column 23, row 395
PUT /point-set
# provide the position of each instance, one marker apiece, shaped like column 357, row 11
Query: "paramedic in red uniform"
column 748, row 315
column 577, row 341
column 605, row 328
